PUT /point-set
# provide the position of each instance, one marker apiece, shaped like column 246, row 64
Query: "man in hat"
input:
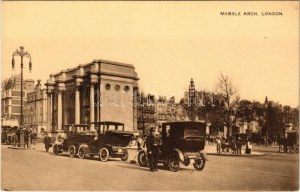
column 47, row 142
column 152, row 150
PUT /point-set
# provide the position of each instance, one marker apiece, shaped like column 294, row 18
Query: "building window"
column 126, row 88
column 107, row 86
column 117, row 88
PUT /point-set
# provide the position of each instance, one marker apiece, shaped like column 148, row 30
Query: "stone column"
column 59, row 110
column 49, row 112
column 77, row 106
column 92, row 107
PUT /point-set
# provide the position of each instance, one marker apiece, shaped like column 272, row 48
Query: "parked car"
column 110, row 141
column 180, row 143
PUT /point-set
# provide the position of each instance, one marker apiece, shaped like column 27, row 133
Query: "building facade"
column 11, row 97
column 35, row 110
column 98, row 91
column 146, row 113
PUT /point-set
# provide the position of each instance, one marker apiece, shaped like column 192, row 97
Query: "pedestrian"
column 218, row 141
column 239, row 146
column 139, row 142
column 152, row 150
column 249, row 147
column 47, row 142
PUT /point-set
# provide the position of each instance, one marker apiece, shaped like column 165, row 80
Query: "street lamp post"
column 267, row 127
column 192, row 95
column 22, row 54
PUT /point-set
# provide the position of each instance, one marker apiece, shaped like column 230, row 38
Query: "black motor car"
column 180, row 143
column 110, row 141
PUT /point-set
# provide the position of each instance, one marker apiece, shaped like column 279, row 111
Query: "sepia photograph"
column 150, row 96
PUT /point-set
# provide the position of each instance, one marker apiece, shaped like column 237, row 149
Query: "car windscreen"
column 192, row 132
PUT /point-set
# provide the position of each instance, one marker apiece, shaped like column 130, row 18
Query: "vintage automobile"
column 180, row 142
column 110, row 141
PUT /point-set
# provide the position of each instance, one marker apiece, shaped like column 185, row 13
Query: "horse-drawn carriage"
column 288, row 144
column 230, row 144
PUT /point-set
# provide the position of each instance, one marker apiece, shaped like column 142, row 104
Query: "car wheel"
column 199, row 163
column 174, row 163
column 55, row 150
column 72, row 151
column 103, row 154
column 125, row 155
column 81, row 152
column 142, row 159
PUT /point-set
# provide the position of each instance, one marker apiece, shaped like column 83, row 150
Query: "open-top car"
column 110, row 140
column 180, row 143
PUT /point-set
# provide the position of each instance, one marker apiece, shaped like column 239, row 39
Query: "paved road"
column 37, row 170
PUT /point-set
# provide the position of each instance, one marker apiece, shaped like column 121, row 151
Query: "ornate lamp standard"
column 267, row 126
column 192, row 96
column 22, row 54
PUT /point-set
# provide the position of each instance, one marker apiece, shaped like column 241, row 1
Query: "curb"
column 234, row 155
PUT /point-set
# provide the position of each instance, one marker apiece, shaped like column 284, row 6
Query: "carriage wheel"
column 104, row 154
column 199, row 163
column 72, row 151
column 125, row 155
column 55, row 150
column 174, row 164
column 142, row 159
column 81, row 152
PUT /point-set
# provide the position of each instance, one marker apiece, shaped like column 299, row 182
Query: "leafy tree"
column 245, row 111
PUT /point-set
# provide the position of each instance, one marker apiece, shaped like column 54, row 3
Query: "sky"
column 168, row 43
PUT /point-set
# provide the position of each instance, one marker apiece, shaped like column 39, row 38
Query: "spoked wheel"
column 103, row 154
column 55, row 150
column 81, row 152
column 142, row 159
column 199, row 163
column 174, row 163
column 125, row 155
column 72, row 151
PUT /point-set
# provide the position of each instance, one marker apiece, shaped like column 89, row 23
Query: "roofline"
column 93, row 62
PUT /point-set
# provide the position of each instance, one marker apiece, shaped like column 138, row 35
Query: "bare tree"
column 228, row 94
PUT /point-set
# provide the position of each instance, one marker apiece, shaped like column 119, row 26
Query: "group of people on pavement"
column 234, row 144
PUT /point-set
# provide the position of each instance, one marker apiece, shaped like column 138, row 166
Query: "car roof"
column 124, row 132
